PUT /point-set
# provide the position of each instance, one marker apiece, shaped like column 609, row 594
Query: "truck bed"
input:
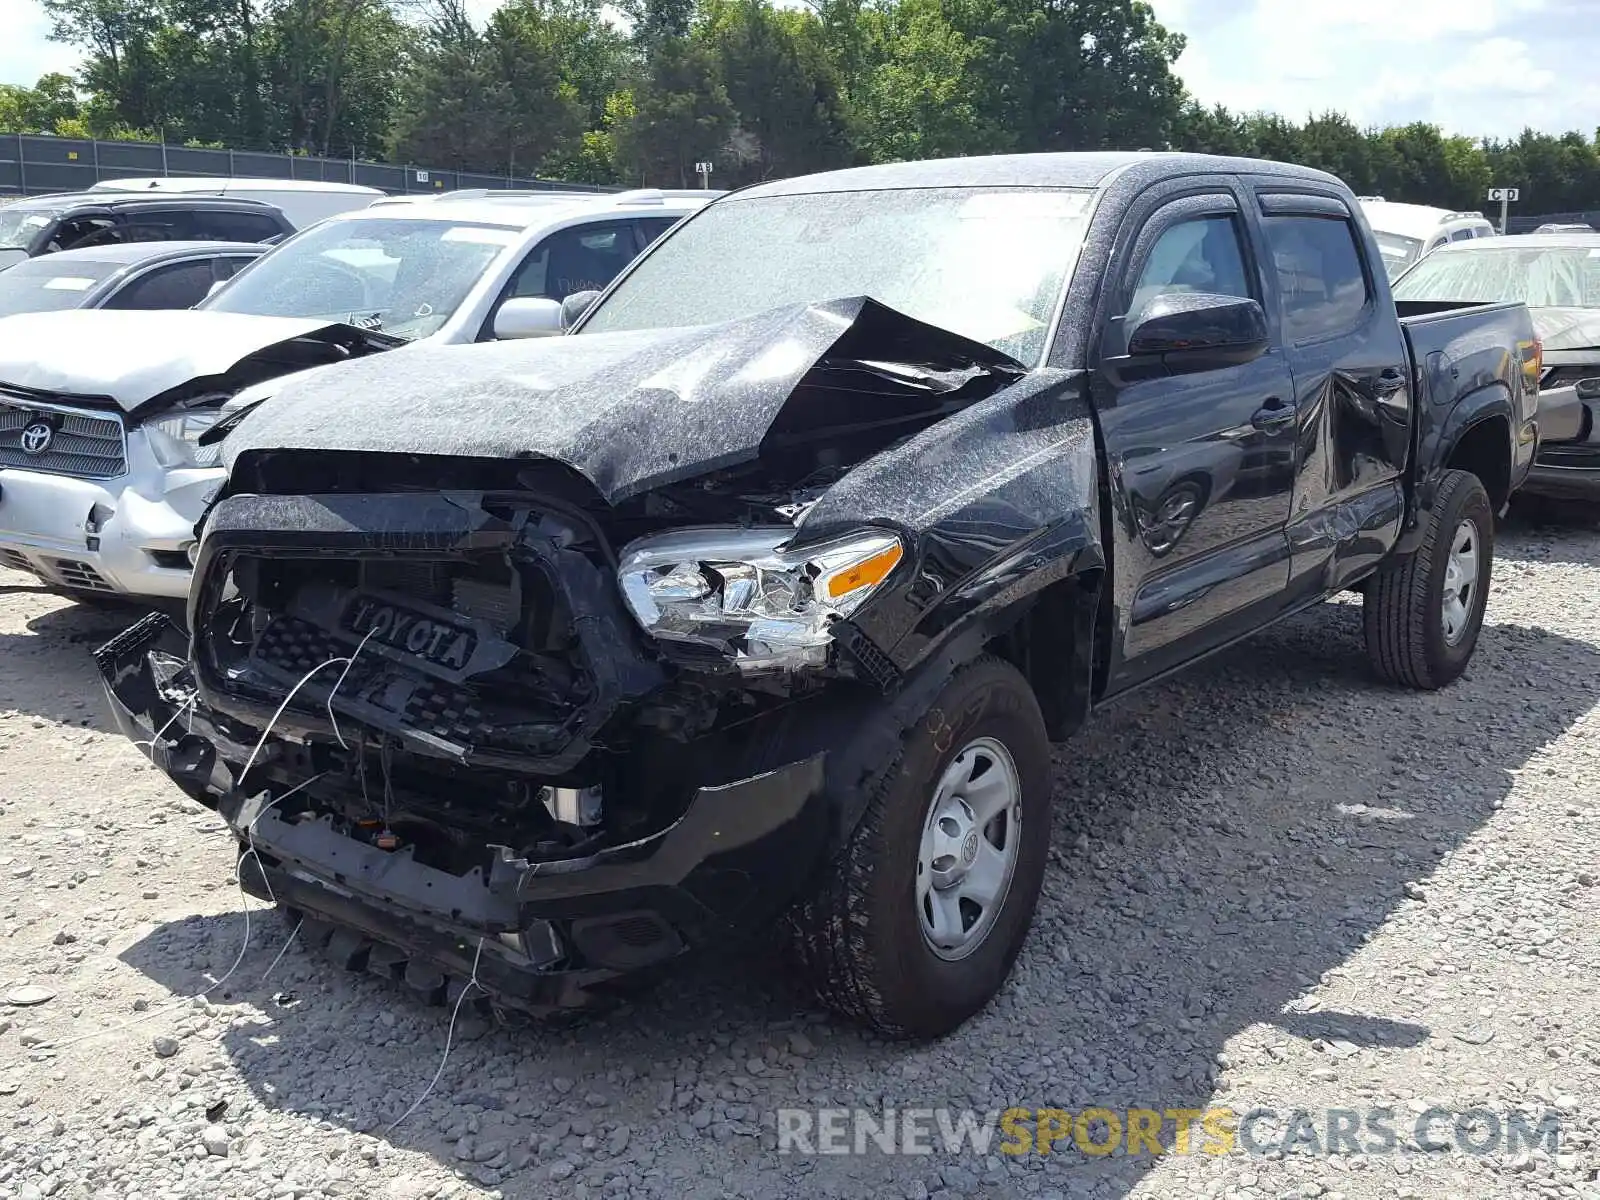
column 1461, row 350
column 1461, row 347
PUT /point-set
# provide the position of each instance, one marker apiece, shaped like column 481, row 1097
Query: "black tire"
column 858, row 941
column 1405, row 631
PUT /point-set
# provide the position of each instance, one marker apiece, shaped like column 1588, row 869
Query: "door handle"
column 1274, row 414
column 1389, row 381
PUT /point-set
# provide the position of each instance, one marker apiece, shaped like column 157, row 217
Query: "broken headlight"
column 174, row 440
column 745, row 593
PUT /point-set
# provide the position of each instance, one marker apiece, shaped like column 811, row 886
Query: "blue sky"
column 1472, row 66
column 1479, row 67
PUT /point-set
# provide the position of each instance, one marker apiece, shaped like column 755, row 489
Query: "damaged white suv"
column 103, row 474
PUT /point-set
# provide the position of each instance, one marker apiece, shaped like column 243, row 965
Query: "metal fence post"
column 164, row 171
column 22, row 167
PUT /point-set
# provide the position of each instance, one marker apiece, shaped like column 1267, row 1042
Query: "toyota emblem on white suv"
column 36, row 438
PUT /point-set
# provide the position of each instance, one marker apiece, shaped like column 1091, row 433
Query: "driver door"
column 1201, row 464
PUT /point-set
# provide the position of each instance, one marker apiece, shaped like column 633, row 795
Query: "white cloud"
column 1478, row 67
column 26, row 51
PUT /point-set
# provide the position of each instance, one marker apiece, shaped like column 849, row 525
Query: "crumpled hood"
column 631, row 411
column 133, row 356
column 1567, row 328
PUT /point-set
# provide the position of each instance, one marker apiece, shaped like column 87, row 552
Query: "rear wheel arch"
column 1483, row 448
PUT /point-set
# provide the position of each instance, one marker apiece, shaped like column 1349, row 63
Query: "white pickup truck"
column 102, row 478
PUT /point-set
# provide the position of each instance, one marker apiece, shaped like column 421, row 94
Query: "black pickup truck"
column 753, row 605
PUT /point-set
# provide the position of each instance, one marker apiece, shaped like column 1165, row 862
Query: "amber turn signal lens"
column 869, row 571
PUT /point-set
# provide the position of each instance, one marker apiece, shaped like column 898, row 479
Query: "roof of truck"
column 1085, row 170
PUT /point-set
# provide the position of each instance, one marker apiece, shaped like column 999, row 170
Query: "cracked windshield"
column 987, row 264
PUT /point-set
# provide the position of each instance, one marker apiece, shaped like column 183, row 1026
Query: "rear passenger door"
column 1201, row 463
column 1352, row 388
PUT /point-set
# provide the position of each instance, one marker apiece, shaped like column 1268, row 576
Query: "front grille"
column 425, row 580
column 84, row 444
column 80, row 575
column 1566, row 375
column 482, row 601
column 445, row 710
column 463, row 620
column 15, row 560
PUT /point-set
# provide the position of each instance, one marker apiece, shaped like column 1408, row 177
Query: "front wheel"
column 919, row 919
column 1424, row 613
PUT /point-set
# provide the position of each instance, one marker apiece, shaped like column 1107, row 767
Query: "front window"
column 48, row 284
column 19, row 226
column 1538, row 276
column 1398, row 252
column 987, row 263
column 403, row 275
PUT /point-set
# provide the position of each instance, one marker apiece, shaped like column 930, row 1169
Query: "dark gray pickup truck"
column 755, row 604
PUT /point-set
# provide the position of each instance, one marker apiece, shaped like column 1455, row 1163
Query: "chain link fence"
column 34, row 163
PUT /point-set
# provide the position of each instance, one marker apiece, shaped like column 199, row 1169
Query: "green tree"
column 1073, row 74
column 791, row 116
column 45, row 107
column 334, row 70
column 681, row 115
column 920, row 93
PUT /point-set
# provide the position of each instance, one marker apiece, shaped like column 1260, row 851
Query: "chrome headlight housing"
column 745, row 593
column 174, row 438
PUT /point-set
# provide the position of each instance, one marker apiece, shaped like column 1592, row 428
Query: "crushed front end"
column 432, row 717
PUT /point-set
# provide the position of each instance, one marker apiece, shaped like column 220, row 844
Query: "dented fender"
column 1003, row 501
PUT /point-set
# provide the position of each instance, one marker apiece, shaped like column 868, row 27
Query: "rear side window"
column 173, row 226
column 654, row 227
column 226, row 266
column 235, row 226
column 1463, row 235
column 1201, row 255
column 1319, row 272
column 583, row 258
column 181, row 285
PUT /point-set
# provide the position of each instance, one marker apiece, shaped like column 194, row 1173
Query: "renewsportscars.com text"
column 1098, row 1132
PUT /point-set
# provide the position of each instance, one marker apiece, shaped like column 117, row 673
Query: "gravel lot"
column 1273, row 882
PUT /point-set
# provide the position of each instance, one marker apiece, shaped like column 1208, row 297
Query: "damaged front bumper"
column 540, row 934
column 127, row 536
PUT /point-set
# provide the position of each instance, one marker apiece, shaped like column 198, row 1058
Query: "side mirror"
column 575, row 306
column 215, row 285
column 1199, row 331
column 527, row 317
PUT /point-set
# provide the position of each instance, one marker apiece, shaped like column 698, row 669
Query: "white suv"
column 102, row 478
